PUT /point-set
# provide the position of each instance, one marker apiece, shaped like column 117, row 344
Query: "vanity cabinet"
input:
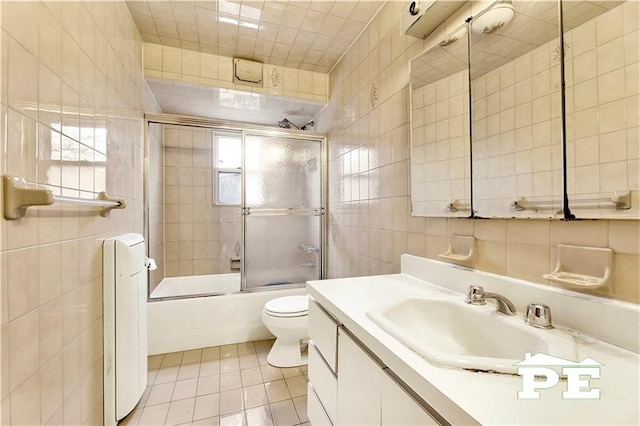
column 359, row 384
column 322, row 396
column 398, row 408
column 361, row 390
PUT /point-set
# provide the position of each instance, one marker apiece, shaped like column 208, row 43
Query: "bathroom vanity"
column 361, row 373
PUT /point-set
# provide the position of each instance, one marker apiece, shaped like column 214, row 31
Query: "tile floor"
column 222, row 385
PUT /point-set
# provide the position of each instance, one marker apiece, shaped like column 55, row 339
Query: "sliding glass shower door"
column 282, row 210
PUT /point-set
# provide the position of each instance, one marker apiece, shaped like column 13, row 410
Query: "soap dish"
column 461, row 251
column 582, row 267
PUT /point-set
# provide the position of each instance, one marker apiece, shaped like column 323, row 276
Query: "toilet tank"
column 125, row 324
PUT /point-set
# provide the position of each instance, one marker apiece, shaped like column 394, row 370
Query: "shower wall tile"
column 369, row 225
column 72, row 123
column 200, row 237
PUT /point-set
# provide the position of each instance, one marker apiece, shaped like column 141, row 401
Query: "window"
column 228, row 188
column 227, row 169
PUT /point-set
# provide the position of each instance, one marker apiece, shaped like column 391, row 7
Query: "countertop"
column 464, row 397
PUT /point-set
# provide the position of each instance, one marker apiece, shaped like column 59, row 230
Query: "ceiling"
column 176, row 97
column 308, row 35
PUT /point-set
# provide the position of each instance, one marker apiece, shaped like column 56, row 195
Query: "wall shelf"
column 20, row 195
column 461, row 251
column 582, row 267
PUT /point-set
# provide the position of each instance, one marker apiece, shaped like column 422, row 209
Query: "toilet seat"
column 287, row 307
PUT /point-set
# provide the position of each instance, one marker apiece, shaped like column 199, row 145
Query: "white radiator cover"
column 125, row 324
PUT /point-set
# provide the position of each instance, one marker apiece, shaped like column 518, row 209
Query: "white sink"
column 450, row 332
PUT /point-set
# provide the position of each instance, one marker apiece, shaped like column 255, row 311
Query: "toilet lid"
column 288, row 305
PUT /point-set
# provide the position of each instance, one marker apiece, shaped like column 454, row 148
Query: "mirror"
column 518, row 114
column 440, row 143
column 601, row 74
column 516, row 110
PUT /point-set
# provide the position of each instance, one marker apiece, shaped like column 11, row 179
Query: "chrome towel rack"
column 20, row 195
column 620, row 199
column 456, row 206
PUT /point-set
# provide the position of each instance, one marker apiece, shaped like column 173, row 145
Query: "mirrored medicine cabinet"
column 493, row 133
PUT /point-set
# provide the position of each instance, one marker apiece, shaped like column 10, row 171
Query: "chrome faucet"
column 477, row 296
column 538, row 315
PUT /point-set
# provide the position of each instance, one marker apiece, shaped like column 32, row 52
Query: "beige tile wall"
column 207, row 69
column 370, row 224
column 72, row 99
column 200, row 237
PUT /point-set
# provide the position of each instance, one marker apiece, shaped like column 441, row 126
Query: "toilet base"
column 287, row 354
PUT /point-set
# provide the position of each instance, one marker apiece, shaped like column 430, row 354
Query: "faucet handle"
column 538, row 315
column 475, row 295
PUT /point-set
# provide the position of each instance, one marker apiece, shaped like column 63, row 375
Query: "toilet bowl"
column 287, row 319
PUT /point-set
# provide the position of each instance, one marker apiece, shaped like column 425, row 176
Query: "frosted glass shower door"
column 282, row 210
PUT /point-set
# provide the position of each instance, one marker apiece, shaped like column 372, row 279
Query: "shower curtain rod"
column 185, row 120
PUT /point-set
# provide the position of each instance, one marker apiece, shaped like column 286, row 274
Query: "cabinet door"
column 324, row 382
column 315, row 411
column 323, row 331
column 358, row 384
column 398, row 408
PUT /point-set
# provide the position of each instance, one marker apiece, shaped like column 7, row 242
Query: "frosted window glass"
column 229, row 187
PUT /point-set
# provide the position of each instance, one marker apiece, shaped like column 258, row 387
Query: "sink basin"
column 449, row 332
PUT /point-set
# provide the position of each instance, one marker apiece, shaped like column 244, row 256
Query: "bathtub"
column 197, row 285
column 197, row 322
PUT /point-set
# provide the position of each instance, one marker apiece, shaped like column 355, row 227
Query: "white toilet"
column 287, row 319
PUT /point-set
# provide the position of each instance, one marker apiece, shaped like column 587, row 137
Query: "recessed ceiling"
column 308, row 35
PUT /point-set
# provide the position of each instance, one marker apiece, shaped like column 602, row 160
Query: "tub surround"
column 460, row 396
column 200, row 235
column 197, row 285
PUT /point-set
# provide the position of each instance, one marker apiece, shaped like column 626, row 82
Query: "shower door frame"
column 239, row 126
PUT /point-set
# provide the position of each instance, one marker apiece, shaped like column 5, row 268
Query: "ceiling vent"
column 421, row 18
column 248, row 73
